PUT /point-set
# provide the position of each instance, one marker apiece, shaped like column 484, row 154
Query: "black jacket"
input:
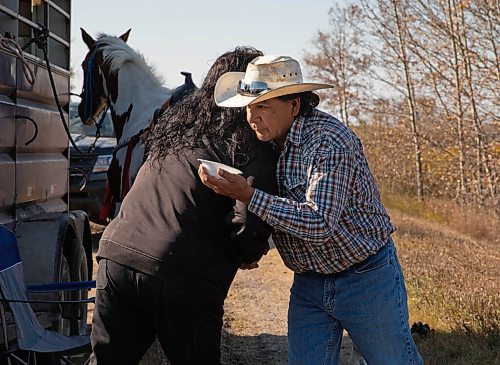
column 173, row 227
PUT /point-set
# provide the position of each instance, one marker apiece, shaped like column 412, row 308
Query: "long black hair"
column 183, row 125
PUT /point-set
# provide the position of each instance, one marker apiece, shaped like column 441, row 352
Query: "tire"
column 63, row 326
column 74, row 318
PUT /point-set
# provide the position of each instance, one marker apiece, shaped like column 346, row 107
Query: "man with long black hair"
column 167, row 260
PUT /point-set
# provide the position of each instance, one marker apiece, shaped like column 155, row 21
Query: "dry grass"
column 481, row 224
column 453, row 285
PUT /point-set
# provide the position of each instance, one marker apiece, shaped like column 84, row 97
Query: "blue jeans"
column 368, row 300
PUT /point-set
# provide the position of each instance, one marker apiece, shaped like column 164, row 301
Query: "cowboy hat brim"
column 225, row 93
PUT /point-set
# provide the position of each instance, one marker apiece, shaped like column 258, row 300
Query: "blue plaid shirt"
column 328, row 215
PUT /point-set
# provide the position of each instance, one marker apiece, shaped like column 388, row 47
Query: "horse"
column 117, row 77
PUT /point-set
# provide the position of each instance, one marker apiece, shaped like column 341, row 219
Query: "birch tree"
column 339, row 59
column 390, row 27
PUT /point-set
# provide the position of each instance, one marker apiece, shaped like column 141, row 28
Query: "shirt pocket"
column 296, row 188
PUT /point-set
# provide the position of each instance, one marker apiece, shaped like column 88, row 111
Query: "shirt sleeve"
column 328, row 188
column 250, row 234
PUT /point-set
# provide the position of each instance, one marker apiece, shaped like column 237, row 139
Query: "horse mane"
column 120, row 53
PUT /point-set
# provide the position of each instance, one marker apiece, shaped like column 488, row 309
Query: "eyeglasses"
column 252, row 88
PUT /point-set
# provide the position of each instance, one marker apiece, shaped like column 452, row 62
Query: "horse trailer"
column 54, row 242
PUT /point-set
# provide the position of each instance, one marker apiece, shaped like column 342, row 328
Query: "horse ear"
column 89, row 41
column 124, row 36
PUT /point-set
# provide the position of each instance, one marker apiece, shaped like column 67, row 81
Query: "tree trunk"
column 462, row 187
column 411, row 102
column 466, row 54
column 492, row 38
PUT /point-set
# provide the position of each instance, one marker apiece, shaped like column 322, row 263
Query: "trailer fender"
column 41, row 241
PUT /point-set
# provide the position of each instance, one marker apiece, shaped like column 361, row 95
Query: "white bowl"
column 212, row 166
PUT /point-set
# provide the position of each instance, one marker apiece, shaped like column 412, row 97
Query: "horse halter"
column 87, row 89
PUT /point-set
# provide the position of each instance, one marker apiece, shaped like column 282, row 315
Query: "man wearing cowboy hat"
column 330, row 226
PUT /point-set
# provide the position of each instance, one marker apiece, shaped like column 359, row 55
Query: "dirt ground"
column 255, row 320
column 255, row 315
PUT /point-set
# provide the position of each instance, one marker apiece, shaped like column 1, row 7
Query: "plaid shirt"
column 328, row 215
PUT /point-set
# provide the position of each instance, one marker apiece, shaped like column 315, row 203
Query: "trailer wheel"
column 74, row 316
column 63, row 324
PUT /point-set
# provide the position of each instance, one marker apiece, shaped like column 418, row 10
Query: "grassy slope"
column 454, row 286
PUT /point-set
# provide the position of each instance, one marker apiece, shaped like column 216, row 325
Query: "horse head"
column 118, row 77
column 95, row 95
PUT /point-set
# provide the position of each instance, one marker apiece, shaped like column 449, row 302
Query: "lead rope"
column 40, row 39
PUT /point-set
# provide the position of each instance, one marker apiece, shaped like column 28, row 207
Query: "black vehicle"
column 88, row 170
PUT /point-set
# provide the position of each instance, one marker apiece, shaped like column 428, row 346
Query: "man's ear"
column 295, row 106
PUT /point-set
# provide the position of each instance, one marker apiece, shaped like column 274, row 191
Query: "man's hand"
column 231, row 185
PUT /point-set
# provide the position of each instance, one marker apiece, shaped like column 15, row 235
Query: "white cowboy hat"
column 266, row 77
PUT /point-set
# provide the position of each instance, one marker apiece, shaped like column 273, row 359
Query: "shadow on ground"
column 261, row 349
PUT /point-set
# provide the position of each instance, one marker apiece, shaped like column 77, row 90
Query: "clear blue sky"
column 188, row 35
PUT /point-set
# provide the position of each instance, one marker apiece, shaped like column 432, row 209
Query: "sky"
column 188, row 35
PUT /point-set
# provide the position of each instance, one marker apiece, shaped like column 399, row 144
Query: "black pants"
column 132, row 308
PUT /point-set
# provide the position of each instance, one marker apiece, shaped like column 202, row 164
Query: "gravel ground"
column 255, row 324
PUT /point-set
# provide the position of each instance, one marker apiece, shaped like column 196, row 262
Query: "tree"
column 340, row 59
column 390, row 26
column 424, row 92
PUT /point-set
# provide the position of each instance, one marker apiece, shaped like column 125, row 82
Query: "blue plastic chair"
column 31, row 337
